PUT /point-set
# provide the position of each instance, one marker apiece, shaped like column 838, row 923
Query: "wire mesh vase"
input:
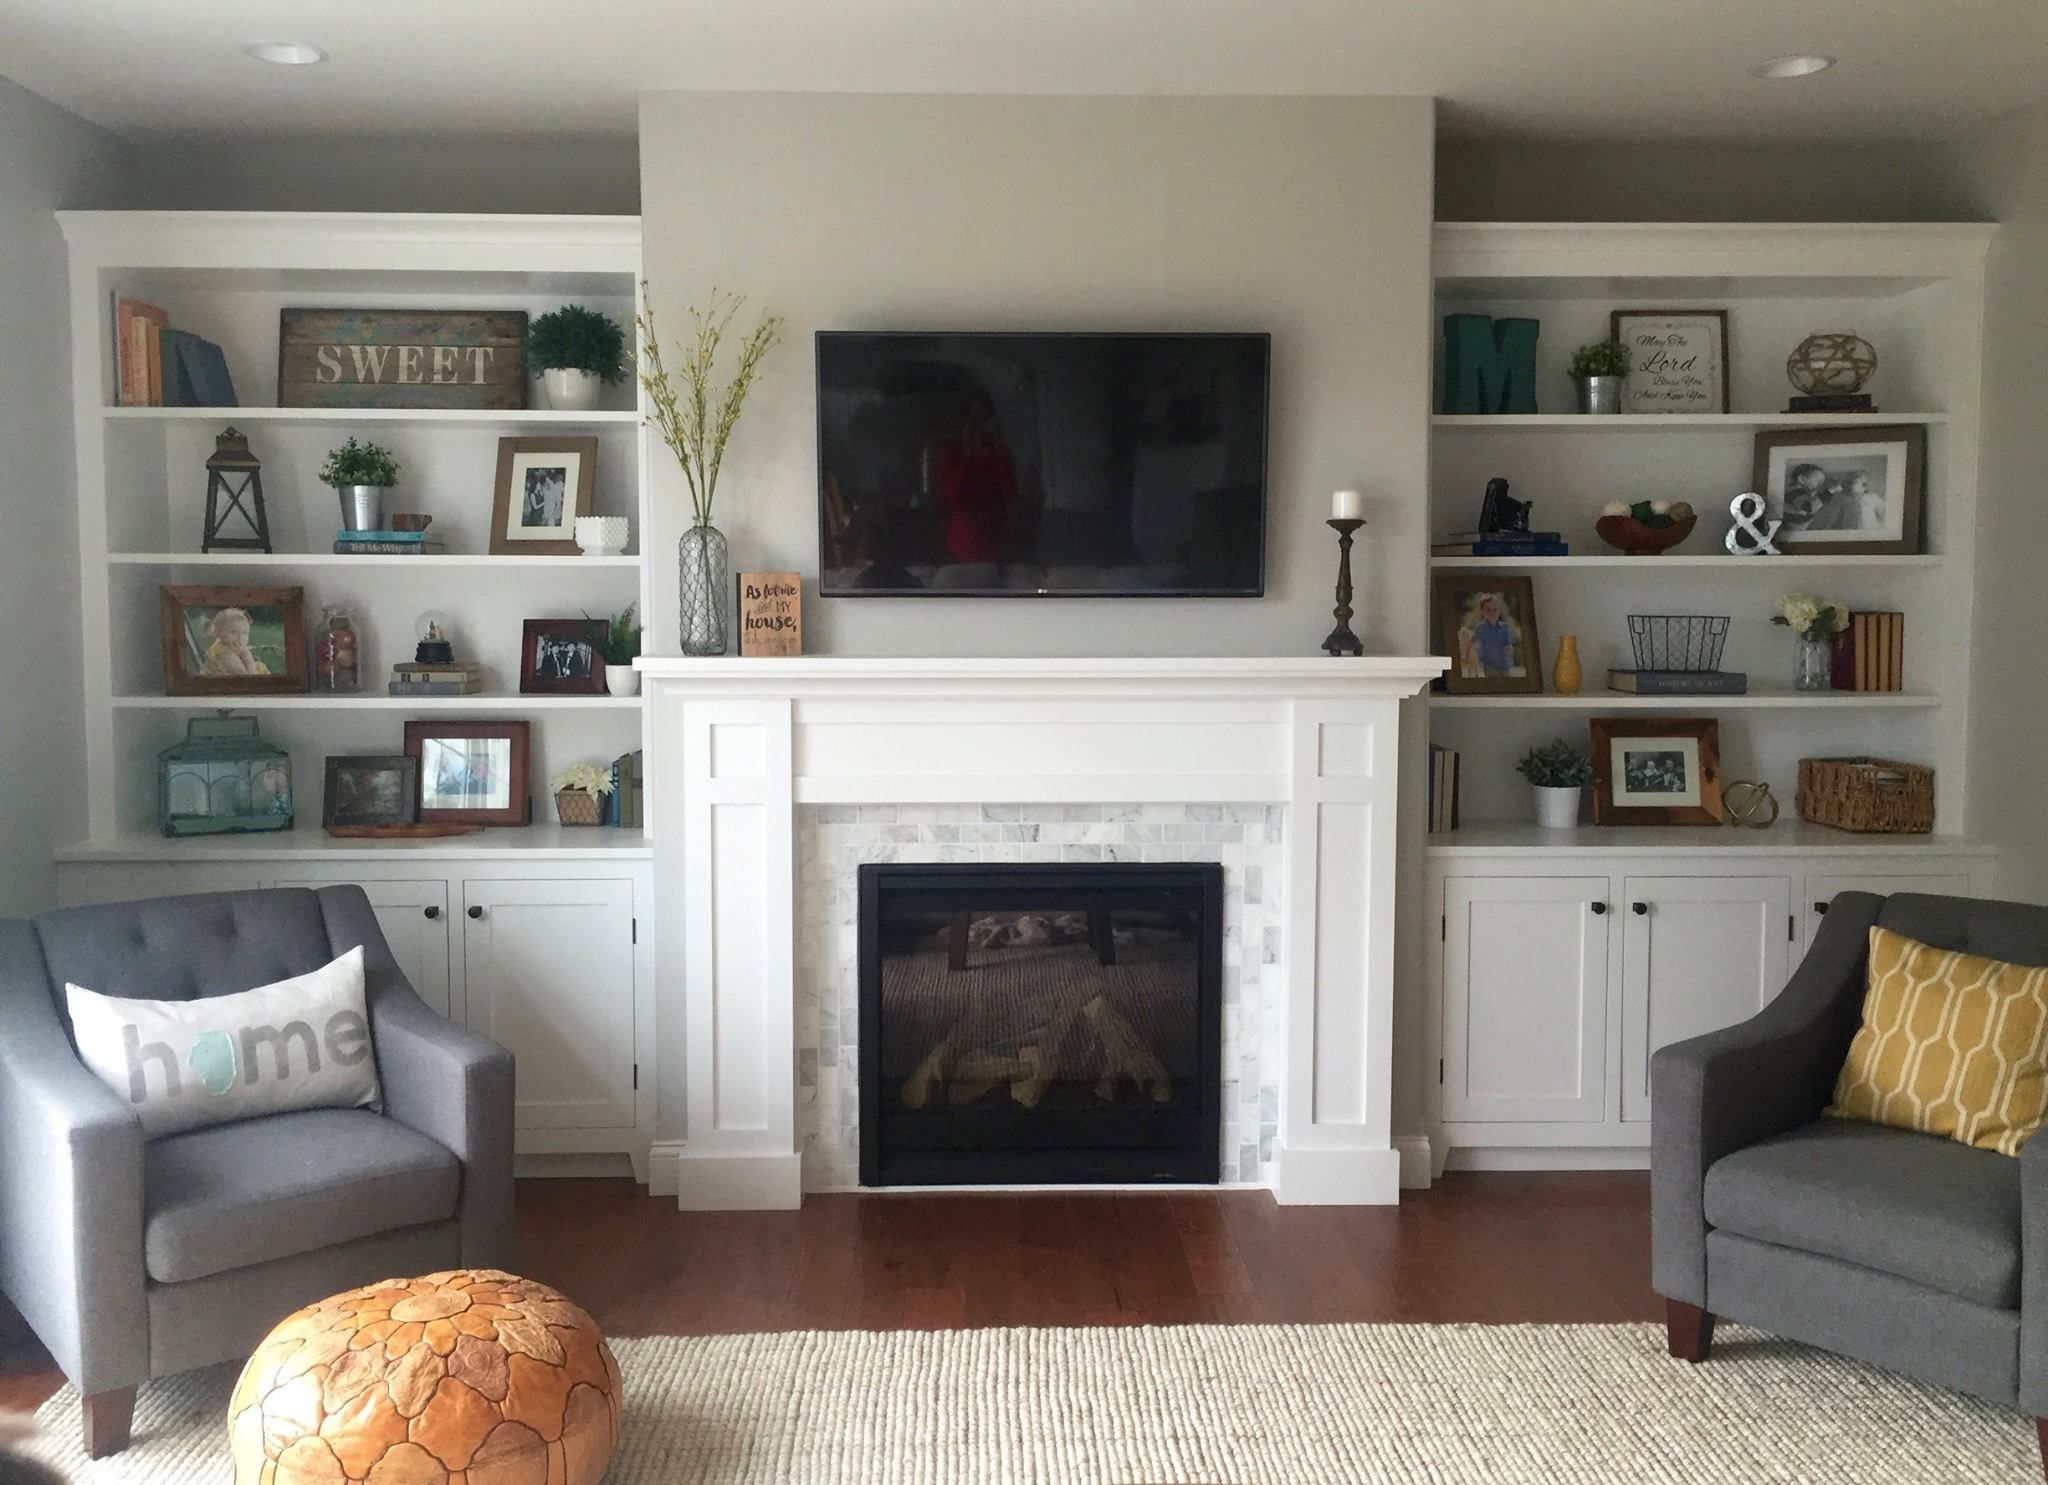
column 706, row 587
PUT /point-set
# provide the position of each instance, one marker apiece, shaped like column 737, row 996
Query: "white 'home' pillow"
column 302, row 1043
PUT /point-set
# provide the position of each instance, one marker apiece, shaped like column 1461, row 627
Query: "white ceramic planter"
column 570, row 390
column 601, row 536
column 622, row 680
column 1556, row 809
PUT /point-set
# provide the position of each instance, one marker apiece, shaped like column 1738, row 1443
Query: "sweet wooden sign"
column 455, row 358
column 771, row 613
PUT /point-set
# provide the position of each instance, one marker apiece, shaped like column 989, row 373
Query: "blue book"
column 203, row 373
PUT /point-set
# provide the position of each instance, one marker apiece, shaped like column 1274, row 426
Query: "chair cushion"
column 1916, row 1206
column 242, row 1194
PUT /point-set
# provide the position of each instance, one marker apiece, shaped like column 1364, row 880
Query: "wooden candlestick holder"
column 1342, row 641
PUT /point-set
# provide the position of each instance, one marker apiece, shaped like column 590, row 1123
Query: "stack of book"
column 387, row 543
column 626, row 805
column 1443, row 789
column 156, row 366
column 436, row 678
column 1502, row 544
column 1679, row 682
column 1870, row 655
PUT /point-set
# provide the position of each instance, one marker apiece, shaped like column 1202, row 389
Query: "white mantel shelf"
column 1242, row 675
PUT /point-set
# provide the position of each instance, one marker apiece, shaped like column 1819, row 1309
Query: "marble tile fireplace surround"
column 773, row 781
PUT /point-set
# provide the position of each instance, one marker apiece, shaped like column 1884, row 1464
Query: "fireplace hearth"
column 1040, row 1023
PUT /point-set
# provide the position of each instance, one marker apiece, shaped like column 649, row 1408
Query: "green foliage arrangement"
column 573, row 338
column 695, row 417
column 1556, row 765
column 359, row 464
column 1600, row 358
column 621, row 642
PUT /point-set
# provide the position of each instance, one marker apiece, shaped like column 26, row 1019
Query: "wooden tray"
column 399, row 832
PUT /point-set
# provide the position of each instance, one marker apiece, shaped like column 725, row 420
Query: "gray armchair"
column 1905, row 1250
column 136, row 1258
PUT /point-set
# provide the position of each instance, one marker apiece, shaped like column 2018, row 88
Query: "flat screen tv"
column 1042, row 465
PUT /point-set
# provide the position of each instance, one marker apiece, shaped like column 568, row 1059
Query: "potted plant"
column 619, row 648
column 576, row 351
column 1597, row 371
column 1816, row 621
column 1559, row 773
column 360, row 474
column 696, row 419
column 578, row 792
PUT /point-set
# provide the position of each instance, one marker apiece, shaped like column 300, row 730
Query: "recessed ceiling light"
column 285, row 53
column 1799, row 64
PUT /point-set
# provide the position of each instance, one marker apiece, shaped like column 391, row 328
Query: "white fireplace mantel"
column 735, row 745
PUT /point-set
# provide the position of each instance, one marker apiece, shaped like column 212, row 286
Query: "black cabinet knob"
column 1821, row 908
column 476, row 912
column 431, row 913
column 1640, row 909
column 1598, row 907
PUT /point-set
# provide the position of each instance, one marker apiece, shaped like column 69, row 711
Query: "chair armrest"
column 70, row 1186
column 1718, row 1093
column 438, row 1078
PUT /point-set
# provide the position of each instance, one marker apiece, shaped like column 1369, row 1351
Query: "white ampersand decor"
column 1750, row 536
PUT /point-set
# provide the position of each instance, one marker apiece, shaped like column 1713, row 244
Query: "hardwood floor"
column 1485, row 1248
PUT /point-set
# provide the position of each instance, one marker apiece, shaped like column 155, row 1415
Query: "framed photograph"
column 376, row 789
column 1487, row 625
column 232, row 641
column 543, row 486
column 1846, row 490
column 471, row 773
column 1678, row 359
column 558, row 657
column 1656, row 771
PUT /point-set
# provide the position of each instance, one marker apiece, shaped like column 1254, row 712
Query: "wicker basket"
column 1874, row 795
column 575, row 807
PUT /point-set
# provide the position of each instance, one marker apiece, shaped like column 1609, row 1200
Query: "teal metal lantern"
column 223, row 779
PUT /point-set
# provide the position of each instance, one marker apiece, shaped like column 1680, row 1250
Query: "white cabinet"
column 1698, row 954
column 1525, row 1005
column 414, row 917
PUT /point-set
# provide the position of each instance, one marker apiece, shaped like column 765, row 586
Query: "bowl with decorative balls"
column 1645, row 528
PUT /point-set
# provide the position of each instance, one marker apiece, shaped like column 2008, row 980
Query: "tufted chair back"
column 2012, row 931
column 182, row 948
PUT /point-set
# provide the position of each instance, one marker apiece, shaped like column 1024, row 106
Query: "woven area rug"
column 1254, row 1404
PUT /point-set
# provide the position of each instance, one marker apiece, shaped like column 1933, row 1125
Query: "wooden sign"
column 1678, row 359
column 771, row 613
column 454, row 358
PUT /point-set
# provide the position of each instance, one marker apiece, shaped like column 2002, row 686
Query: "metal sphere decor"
column 1832, row 361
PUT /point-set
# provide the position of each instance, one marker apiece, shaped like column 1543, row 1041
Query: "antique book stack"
column 1443, row 789
column 436, row 678
column 387, row 543
column 1502, row 544
column 1870, row 655
column 626, row 805
column 1679, row 682
column 156, row 366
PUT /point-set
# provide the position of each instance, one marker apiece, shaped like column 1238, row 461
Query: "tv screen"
column 1042, row 465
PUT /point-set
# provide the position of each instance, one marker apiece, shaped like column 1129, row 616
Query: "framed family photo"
column 1487, row 626
column 1845, row 490
column 559, row 657
column 232, row 641
column 372, row 789
column 471, row 773
column 543, row 486
column 1677, row 358
column 1656, row 770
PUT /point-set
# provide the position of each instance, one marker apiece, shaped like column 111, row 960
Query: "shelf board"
column 1493, row 837
column 368, row 701
column 308, row 842
column 1665, row 422
column 1719, row 560
column 539, row 417
column 356, row 559
column 1755, row 697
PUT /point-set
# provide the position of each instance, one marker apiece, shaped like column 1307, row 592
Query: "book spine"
column 433, row 688
column 1679, row 682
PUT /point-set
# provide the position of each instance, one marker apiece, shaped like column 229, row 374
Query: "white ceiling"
column 1640, row 69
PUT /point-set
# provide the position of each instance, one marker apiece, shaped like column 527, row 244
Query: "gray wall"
column 49, row 159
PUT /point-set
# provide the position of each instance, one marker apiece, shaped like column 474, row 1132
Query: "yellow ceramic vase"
column 1566, row 677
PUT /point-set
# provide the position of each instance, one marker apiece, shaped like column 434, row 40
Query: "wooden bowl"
column 410, row 521
column 1627, row 534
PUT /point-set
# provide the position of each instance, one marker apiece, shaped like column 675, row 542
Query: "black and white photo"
column 562, row 657
column 1844, row 490
column 1656, row 770
column 544, row 484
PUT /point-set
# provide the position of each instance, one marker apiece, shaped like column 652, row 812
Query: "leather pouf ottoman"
column 471, row 1377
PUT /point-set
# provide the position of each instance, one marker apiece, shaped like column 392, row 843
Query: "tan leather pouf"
column 471, row 1377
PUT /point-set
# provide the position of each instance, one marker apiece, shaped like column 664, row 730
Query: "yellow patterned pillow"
column 1951, row 1044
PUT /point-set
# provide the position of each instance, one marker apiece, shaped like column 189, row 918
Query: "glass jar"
column 337, row 667
column 705, row 582
column 1816, row 663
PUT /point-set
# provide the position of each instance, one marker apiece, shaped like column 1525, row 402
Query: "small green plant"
column 586, row 778
column 1600, row 358
column 359, row 464
column 1556, row 765
column 573, row 338
column 621, row 642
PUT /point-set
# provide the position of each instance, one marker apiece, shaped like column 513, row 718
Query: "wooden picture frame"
column 208, row 652
column 1872, row 496
column 543, row 485
column 561, row 657
column 1673, row 387
column 1477, row 639
column 1627, row 779
column 346, row 802
column 464, row 784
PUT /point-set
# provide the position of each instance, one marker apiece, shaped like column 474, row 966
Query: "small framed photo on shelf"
column 1677, row 358
column 543, row 486
column 561, row 657
column 232, row 641
column 1845, row 490
column 1656, row 770
column 1486, row 624
column 471, row 773
column 375, row 789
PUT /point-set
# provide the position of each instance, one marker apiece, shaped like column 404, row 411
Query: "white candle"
column 1347, row 505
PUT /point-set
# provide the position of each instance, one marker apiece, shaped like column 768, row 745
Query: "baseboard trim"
column 1350, row 1177
column 724, row 1183
column 1417, row 1167
column 557, row 1167
column 1562, row 1157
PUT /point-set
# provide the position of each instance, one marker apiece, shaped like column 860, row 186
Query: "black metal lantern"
column 234, row 491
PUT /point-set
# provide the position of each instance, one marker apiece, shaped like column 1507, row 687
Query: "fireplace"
column 1040, row 1023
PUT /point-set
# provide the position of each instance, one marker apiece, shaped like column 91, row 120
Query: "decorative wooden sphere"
column 470, row 1377
column 1832, row 361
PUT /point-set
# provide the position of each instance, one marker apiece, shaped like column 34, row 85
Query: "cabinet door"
column 547, row 968
column 1525, row 998
column 1820, row 891
column 1698, row 954
column 414, row 917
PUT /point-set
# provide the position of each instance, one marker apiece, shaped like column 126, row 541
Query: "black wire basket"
column 1678, row 641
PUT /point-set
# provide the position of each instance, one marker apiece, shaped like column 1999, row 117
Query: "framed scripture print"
column 1677, row 359
column 1845, row 490
column 1656, row 771
column 471, row 773
column 232, row 641
column 543, row 486
column 1486, row 624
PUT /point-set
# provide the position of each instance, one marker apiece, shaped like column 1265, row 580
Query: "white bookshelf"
column 142, row 481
